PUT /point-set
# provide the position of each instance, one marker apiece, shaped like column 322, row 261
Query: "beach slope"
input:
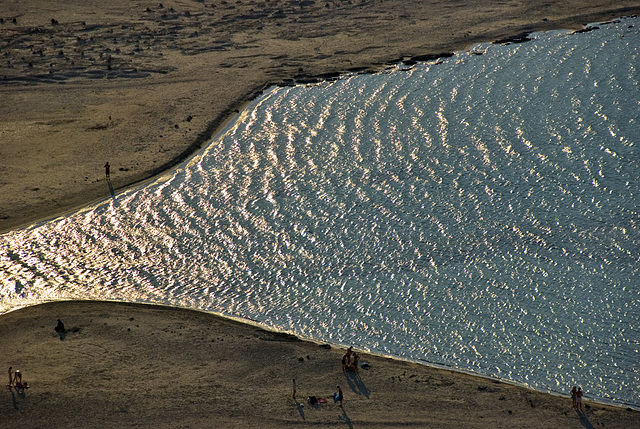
column 132, row 365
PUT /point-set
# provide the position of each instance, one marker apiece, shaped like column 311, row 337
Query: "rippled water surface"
column 479, row 212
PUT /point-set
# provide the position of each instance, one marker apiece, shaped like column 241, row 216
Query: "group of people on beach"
column 350, row 361
column 15, row 380
column 576, row 397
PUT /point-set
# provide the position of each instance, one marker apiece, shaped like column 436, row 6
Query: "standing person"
column 18, row 378
column 10, row 377
column 59, row 327
column 345, row 361
column 574, row 398
column 337, row 397
column 107, row 167
column 294, row 389
column 579, row 398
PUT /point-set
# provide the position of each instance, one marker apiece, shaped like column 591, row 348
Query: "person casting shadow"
column 61, row 330
column 107, row 173
column 19, row 385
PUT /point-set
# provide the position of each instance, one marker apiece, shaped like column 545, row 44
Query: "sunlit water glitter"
column 479, row 212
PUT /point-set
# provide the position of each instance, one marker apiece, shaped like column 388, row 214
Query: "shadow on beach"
column 357, row 384
column 301, row 410
column 13, row 398
column 111, row 191
column 346, row 419
column 584, row 421
column 62, row 334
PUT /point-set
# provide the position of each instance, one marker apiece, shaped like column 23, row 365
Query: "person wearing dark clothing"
column 337, row 397
column 60, row 326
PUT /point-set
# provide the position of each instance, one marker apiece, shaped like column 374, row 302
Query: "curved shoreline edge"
column 244, row 322
column 214, row 127
column 230, row 112
column 208, row 129
column 120, row 364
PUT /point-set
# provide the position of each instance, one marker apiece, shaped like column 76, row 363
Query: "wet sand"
column 131, row 365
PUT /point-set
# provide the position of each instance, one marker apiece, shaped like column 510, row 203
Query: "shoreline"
column 94, row 378
column 117, row 363
column 220, row 123
column 217, row 125
column 56, row 170
column 258, row 325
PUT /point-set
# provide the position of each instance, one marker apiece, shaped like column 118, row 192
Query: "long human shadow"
column 113, row 194
column 584, row 421
column 300, row 410
column 346, row 418
column 21, row 393
column 13, row 398
column 356, row 384
column 62, row 333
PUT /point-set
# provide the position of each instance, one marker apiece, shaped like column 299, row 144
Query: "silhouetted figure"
column 107, row 169
column 579, row 398
column 18, row 383
column 574, row 397
column 356, row 359
column 60, row 326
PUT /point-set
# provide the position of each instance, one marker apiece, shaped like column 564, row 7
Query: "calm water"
column 479, row 212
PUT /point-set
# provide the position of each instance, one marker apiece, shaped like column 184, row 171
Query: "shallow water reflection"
column 486, row 222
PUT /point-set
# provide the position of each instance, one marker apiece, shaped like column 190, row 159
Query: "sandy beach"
column 143, row 85
column 131, row 365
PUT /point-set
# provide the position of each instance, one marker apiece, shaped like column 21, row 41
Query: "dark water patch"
column 518, row 38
